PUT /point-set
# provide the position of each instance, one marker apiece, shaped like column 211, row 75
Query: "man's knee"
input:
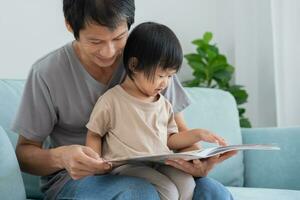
column 109, row 187
column 209, row 189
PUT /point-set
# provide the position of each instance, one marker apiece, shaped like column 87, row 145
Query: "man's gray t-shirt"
column 58, row 99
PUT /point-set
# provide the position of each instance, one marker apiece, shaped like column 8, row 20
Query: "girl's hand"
column 208, row 136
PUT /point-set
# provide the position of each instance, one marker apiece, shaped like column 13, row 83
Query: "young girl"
column 134, row 118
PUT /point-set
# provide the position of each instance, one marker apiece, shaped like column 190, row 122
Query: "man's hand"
column 199, row 168
column 81, row 161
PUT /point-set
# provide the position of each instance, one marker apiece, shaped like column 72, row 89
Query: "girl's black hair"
column 109, row 13
column 153, row 46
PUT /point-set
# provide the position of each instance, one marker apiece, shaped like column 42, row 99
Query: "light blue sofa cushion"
column 242, row 193
column 274, row 169
column 10, row 95
column 216, row 110
column 11, row 182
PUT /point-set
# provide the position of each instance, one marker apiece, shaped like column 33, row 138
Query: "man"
column 60, row 92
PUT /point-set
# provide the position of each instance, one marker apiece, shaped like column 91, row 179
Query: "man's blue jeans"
column 115, row 187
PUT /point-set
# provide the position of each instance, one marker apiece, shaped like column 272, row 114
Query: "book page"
column 192, row 155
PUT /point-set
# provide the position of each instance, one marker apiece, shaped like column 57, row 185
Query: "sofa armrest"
column 11, row 182
column 273, row 169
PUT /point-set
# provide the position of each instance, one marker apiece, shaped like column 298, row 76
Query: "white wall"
column 254, row 59
column 30, row 29
column 189, row 20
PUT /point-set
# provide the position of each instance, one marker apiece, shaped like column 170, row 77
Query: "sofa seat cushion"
column 243, row 193
column 11, row 182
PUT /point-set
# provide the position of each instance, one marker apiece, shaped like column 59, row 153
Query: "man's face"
column 101, row 46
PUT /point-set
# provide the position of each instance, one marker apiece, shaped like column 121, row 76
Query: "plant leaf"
column 202, row 53
column 222, row 75
column 197, row 66
column 240, row 95
column 211, row 55
column 245, row 123
column 193, row 57
column 241, row 111
column 214, row 48
column 211, row 69
column 207, row 37
column 192, row 83
column 198, row 42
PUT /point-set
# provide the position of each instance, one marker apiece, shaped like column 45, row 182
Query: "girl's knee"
column 168, row 191
column 186, row 189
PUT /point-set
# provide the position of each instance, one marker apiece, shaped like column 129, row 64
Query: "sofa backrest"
column 216, row 111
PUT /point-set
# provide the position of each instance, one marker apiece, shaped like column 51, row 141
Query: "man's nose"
column 108, row 50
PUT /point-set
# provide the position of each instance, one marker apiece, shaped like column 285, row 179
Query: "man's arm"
column 35, row 160
column 79, row 161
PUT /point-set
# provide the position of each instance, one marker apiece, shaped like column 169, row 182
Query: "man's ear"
column 68, row 26
column 132, row 64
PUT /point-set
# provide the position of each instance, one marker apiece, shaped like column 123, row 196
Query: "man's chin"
column 105, row 64
column 102, row 63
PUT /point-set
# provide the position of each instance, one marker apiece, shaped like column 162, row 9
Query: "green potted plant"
column 211, row 70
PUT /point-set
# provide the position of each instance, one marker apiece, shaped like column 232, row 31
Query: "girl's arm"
column 183, row 139
column 179, row 119
column 187, row 138
column 94, row 141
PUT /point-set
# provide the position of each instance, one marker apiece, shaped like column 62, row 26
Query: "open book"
column 192, row 155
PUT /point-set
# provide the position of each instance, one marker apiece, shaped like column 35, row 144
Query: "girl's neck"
column 133, row 89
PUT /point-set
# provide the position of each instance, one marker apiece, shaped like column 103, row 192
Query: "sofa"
column 248, row 175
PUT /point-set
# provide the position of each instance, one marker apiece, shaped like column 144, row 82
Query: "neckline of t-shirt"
column 140, row 102
column 87, row 76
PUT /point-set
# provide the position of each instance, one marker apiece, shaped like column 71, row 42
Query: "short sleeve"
column 36, row 116
column 176, row 95
column 100, row 118
column 172, row 126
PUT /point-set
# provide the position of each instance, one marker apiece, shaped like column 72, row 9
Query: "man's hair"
column 109, row 13
column 153, row 46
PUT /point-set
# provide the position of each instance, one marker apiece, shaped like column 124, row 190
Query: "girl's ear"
column 132, row 64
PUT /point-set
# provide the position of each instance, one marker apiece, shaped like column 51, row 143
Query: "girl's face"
column 151, row 87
